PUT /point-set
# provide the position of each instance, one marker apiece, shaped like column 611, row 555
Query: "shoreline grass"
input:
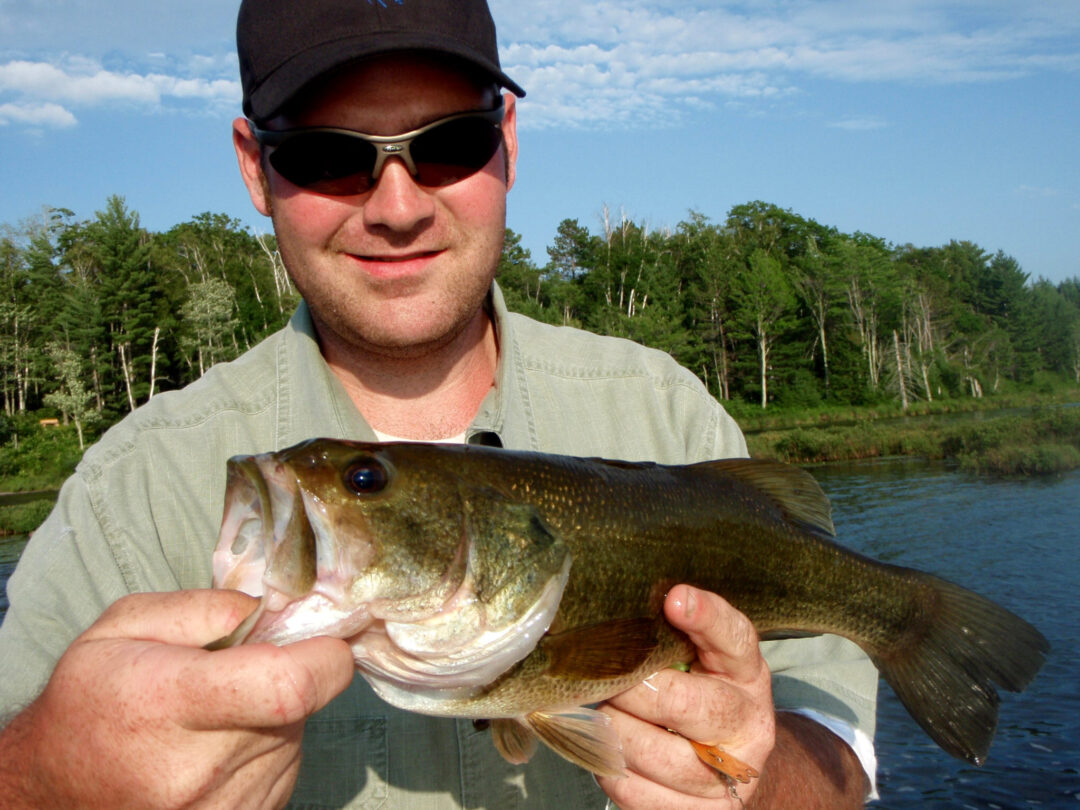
column 1045, row 440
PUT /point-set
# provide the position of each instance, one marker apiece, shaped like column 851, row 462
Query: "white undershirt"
column 858, row 739
column 386, row 437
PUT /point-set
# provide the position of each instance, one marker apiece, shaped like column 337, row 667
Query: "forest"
column 771, row 309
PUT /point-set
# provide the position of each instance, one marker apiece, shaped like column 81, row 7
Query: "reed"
column 24, row 518
column 1042, row 440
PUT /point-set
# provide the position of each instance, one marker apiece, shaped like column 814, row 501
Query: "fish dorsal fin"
column 582, row 736
column 513, row 739
column 601, row 651
column 792, row 489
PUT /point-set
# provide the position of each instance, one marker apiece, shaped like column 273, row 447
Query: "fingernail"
column 691, row 602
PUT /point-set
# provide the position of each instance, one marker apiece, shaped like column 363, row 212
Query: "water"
column 1016, row 541
column 10, row 549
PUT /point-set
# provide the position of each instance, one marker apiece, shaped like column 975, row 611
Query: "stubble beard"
column 352, row 330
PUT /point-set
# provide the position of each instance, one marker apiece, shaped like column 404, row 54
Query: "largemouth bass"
column 520, row 587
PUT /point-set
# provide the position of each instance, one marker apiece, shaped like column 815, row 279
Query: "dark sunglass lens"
column 454, row 151
column 326, row 163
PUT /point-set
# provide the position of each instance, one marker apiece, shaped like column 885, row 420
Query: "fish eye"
column 366, row 476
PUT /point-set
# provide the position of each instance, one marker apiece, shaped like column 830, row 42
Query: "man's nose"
column 397, row 201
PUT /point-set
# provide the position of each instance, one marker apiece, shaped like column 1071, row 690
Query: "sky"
column 916, row 121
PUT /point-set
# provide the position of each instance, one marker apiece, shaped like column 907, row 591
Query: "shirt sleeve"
column 53, row 596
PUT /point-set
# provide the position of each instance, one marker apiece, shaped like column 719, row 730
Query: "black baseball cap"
column 285, row 44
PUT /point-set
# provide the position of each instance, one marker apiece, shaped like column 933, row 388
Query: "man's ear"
column 249, row 156
column 510, row 141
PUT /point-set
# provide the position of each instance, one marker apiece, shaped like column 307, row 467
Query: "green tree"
column 865, row 273
column 571, row 253
column 208, row 315
column 217, row 246
column 763, row 299
column 129, row 294
column 817, row 283
column 71, row 397
column 707, row 260
column 521, row 280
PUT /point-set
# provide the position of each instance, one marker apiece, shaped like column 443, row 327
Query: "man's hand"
column 137, row 714
column 726, row 701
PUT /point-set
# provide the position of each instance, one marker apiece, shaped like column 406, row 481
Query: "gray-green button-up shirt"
column 143, row 509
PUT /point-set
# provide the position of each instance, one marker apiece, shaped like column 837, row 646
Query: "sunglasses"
column 340, row 162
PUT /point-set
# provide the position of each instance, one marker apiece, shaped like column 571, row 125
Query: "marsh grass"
column 40, row 458
column 24, row 518
column 1044, row 440
column 34, row 462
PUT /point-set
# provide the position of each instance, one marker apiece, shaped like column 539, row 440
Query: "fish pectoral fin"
column 513, row 739
column 606, row 650
column 731, row 767
column 582, row 736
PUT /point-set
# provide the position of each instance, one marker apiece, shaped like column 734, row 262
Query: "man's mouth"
column 398, row 258
column 396, row 265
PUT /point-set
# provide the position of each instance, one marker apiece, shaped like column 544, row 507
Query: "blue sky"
column 914, row 121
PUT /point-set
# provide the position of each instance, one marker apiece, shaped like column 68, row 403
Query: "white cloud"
column 82, row 82
column 585, row 64
column 36, row 115
column 45, row 81
column 571, row 54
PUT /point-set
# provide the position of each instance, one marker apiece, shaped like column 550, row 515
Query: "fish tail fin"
column 945, row 671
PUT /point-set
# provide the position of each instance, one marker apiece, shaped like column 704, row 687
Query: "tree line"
column 98, row 315
column 772, row 307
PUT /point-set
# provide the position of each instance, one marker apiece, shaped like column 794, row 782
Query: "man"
column 402, row 334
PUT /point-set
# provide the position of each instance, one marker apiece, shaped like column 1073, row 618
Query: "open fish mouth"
column 274, row 544
column 321, row 568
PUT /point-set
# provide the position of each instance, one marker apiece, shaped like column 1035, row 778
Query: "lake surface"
column 1016, row 541
column 10, row 549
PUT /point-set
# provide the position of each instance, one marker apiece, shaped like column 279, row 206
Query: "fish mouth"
column 316, row 575
column 275, row 544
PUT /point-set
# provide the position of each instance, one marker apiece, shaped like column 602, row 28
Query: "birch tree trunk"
column 763, row 353
column 900, row 371
column 127, row 375
column 153, row 362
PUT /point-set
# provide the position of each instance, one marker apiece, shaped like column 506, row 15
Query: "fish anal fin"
column 514, row 740
column 582, row 736
column 731, row 767
column 600, row 651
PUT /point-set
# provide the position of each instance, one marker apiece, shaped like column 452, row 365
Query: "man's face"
column 401, row 269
